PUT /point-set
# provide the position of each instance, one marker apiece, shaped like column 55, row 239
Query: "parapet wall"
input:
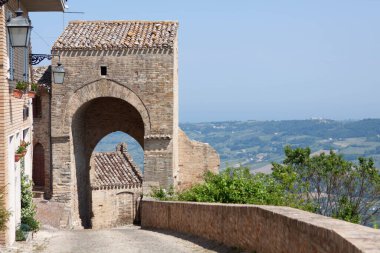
column 260, row 229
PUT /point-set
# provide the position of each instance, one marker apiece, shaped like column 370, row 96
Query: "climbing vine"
column 28, row 208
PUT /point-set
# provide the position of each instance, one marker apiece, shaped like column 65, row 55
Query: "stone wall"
column 260, row 229
column 137, row 96
column 115, row 207
column 41, row 134
column 195, row 158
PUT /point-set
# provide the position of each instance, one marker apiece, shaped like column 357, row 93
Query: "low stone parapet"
column 261, row 229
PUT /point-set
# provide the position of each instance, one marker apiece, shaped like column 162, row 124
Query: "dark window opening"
column 37, row 107
column 103, row 70
column 25, row 113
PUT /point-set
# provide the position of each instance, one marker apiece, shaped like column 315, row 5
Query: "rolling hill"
column 258, row 143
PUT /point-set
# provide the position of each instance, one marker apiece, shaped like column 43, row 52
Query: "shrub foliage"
column 28, row 208
column 325, row 184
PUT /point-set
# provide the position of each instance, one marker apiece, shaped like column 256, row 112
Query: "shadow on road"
column 204, row 243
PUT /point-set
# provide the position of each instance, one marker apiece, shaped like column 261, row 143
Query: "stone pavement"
column 126, row 239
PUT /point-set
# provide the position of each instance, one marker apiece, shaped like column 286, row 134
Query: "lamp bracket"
column 34, row 59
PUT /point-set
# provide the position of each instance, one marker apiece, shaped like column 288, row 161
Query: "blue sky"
column 257, row 60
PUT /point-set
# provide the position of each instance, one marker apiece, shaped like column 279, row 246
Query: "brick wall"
column 12, row 122
column 262, row 229
column 115, row 207
column 195, row 158
column 137, row 96
column 41, row 134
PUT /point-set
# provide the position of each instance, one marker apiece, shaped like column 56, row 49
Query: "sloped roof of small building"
column 42, row 75
column 114, row 35
column 115, row 170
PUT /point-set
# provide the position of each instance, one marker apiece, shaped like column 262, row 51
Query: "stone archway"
column 92, row 112
column 102, row 88
column 90, row 123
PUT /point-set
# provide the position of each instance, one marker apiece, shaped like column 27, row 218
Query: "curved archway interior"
column 90, row 123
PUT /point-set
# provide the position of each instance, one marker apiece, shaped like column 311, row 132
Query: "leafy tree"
column 330, row 185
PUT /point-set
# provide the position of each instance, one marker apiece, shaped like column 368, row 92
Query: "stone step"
column 38, row 194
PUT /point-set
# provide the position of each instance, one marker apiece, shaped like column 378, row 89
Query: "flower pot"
column 31, row 94
column 24, row 152
column 18, row 157
column 17, row 93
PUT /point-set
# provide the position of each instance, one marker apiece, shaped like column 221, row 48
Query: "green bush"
column 21, row 85
column 4, row 213
column 163, row 194
column 20, row 235
column 237, row 185
column 28, row 208
column 234, row 185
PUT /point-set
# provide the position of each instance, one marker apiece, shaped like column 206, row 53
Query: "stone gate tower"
column 120, row 76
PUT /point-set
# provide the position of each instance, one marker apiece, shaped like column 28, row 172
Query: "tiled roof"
column 42, row 75
column 113, row 35
column 2, row 2
column 115, row 170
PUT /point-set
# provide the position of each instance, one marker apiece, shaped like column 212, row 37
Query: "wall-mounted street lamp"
column 58, row 71
column 19, row 29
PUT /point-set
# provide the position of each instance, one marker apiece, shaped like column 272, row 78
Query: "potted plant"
column 20, row 88
column 20, row 152
column 24, row 144
column 33, row 90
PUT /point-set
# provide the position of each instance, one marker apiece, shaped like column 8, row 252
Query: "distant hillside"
column 257, row 143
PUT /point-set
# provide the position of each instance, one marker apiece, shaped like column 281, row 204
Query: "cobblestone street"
column 124, row 239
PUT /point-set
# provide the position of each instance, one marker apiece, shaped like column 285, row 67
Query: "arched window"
column 38, row 165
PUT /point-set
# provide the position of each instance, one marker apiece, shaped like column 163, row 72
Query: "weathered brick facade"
column 116, row 188
column 195, row 159
column 115, row 83
column 15, row 114
column 41, row 121
column 266, row 229
column 13, row 125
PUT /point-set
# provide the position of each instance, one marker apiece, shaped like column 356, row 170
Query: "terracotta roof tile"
column 113, row 35
column 42, row 75
column 115, row 170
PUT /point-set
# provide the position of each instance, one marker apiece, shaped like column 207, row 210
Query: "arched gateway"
column 120, row 76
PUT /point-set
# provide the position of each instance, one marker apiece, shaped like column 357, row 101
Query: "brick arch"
column 99, row 138
column 104, row 88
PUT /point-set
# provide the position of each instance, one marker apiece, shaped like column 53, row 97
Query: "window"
column 37, row 107
column 25, row 112
column 103, row 70
column 9, row 15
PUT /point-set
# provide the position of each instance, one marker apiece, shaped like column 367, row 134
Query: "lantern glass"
column 19, row 31
column 59, row 74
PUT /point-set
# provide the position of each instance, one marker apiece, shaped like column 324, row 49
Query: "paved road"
column 127, row 239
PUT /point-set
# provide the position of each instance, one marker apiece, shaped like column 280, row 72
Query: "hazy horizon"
column 243, row 120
